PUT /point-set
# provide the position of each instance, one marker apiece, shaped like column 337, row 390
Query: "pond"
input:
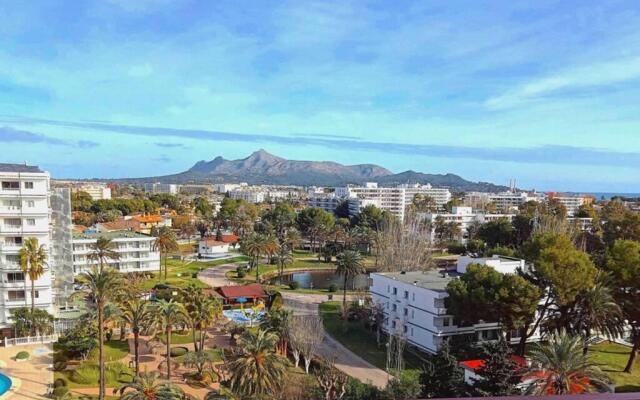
column 322, row 280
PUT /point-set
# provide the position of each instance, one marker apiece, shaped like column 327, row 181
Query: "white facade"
column 161, row 188
column 414, row 307
column 24, row 213
column 502, row 264
column 327, row 201
column 136, row 251
column 95, row 190
column 464, row 217
column 572, row 203
column 227, row 187
column 211, row 248
column 250, row 196
column 504, row 201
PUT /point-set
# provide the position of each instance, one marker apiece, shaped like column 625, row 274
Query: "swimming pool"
column 247, row 316
column 5, row 384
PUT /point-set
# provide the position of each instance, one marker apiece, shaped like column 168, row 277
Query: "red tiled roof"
column 120, row 225
column 147, row 219
column 250, row 291
column 212, row 242
column 79, row 228
column 230, row 238
column 478, row 364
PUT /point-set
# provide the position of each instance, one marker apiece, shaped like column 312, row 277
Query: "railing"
column 22, row 341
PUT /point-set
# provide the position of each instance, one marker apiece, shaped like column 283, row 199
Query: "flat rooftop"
column 19, row 168
column 432, row 280
column 110, row 235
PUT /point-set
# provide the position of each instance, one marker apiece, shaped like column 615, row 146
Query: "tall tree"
column 560, row 367
column 202, row 311
column 147, row 386
column 442, row 375
column 165, row 242
column 623, row 262
column 33, row 259
column 312, row 222
column 348, row 265
column 500, row 375
column 135, row 312
column 283, row 257
column 256, row 370
column 167, row 315
column 101, row 285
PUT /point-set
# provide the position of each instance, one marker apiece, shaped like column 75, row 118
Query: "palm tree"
column 135, row 312
column 597, row 311
column 292, row 238
column 277, row 321
column 253, row 246
column 147, row 387
column 349, row 265
column 165, row 315
column 283, row 257
column 270, row 246
column 256, row 370
column 165, row 242
column 560, row 367
column 102, row 251
column 101, row 285
column 33, row 259
column 202, row 310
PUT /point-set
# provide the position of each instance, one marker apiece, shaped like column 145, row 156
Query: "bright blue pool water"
column 41, row 350
column 243, row 316
column 5, row 384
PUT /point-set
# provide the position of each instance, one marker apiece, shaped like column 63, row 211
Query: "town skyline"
column 517, row 91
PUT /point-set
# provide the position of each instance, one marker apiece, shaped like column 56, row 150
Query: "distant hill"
column 264, row 168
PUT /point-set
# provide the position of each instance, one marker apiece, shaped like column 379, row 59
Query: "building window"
column 14, row 277
column 31, row 203
column 10, row 186
column 393, row 323
column 445, row 322
column 31, row 222
column 388, row 289
column 404, row 329
column 28, row 185
column 13, row 241
column 406, row 311
column 12, row 258
column 395, row 290
column 394, row 307
column 406, row 294
column 413, row 314
column 411, row 331
column 37, row 294
column 15, row 295
column 413, row 296
column 13, row 222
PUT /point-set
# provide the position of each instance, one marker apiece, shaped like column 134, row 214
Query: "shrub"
column 455, row 248
column 22, row 355
column 59, row 382
column 276, row 301
column 293, row 285
column 178, row 351
column 59, row 365
column 241, row 273
column 86, row 374
column 194, row 275
column 60, row 392
column 333, row 288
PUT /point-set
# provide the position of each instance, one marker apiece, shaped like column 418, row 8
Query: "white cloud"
column 587, row 76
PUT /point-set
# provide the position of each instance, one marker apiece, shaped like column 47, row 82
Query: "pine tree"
column 442, row 376
column 500, row 374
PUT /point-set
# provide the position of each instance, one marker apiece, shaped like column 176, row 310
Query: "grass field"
column 612, row 358
column 180, row 273
column 179, row 337
column 357, row 338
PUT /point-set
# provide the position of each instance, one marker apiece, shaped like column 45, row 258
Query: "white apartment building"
column 414, row 305
column 464, row 217
column 161, row 188
column 24, row 213
column 571, row 202
column 393, row 199
column 135, row 249
column 505, row 201
column 97, row 191
column 227, row 187
column 250, row 196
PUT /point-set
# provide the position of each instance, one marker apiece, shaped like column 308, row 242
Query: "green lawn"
column 268, row 271
column 114, row 350
column 612, row 359
column 180, row 272
column 357, row 338
column 179, row 337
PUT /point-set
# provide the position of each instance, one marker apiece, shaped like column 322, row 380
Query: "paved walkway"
column 307, row 304
column 29, row 378
column 343, row 358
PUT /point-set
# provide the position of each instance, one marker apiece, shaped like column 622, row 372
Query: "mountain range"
column 262, row 167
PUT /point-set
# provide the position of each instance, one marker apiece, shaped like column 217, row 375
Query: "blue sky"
column 544, row 92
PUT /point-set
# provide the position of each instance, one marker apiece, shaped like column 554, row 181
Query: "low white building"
column 571, row 202
column 250, row 196
column 464, row 217
column 504, row 201
column 414, row 305
column 97, row 191
column 502, row 264
column 212, row 248
column 136, row 251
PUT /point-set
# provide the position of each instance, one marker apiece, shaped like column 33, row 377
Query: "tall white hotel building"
column 29, row 209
